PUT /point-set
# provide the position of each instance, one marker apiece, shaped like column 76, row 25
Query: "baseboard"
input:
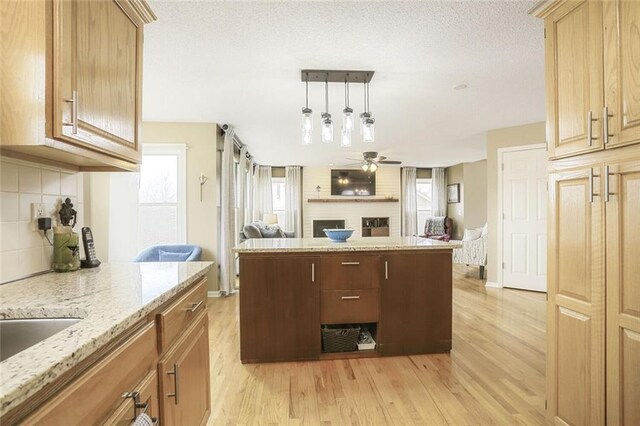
column 215, row 293
column 492, row 284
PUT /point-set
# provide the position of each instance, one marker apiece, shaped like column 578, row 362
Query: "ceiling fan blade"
column 379, row 158
column 351, row 164
column 354, row 159
column 389, row 162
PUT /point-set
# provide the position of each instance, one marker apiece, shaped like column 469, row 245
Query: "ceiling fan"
column 371, row 160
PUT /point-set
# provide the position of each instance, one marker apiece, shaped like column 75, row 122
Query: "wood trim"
column 141, row 9
column 353, row 200
column 545, row 7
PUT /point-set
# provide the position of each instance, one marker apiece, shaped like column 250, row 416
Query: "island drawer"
column 176, row 317
column 350, row 272
column 349, row 306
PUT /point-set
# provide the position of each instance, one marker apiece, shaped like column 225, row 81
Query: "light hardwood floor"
column 494, row 374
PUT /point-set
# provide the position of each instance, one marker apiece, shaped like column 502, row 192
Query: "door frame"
column 501, row 152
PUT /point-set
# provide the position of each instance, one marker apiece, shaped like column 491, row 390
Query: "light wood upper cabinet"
column 574, row 76
column 72, row 81
column 576, row 308
column 97, row 55
column 623, row 293
column 622, row 71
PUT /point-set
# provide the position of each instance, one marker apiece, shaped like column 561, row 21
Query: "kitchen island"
column 398, row 288
column 138, row 322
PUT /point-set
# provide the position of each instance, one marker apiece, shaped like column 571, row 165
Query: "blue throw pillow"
column 167, row 256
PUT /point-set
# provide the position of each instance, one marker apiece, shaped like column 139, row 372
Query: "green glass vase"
column 66, row 251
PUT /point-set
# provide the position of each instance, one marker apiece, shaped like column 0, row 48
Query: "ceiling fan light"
column 345, row 140
column 365, row 167
column 368, row 131
column 327, row 128
column 373, row 167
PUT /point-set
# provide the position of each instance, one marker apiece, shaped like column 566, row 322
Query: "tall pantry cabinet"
column 592, row 71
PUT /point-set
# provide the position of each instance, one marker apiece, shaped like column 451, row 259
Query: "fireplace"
column 319, row 225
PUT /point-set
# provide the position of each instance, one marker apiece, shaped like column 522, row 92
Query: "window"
column 162, row 196
column 423, row 187
column 277, row 185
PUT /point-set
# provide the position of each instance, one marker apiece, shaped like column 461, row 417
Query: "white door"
column 524, row 219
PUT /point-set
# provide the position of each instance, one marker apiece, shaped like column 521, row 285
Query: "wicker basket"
column 340, row 338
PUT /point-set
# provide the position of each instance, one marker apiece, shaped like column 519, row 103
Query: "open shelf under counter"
column 353, row 200
column 369, row 353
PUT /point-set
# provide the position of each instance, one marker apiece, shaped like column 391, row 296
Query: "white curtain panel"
column 262, row 192
column 249, row 215
column 227, row 217
column 293, row 200
column 242, row 188
column 439, row 188
column 409, row 201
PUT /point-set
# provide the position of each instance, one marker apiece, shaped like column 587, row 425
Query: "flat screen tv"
column 353, row 182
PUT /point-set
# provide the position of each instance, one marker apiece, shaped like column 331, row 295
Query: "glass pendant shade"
column 327, row 128
column 345, row 140
column 307, row 126
column 368, row 131
column 347, row 119
column 363, row 119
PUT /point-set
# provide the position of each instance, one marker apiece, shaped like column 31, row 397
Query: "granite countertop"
column 282, row 245
column 109, row 299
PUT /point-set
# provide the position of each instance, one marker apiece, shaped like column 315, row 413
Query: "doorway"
column 522, row 209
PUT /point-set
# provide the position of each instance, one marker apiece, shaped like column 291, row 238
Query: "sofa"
column 474, row 249
column 170, row 253
column 259, row 229
column 438, row 228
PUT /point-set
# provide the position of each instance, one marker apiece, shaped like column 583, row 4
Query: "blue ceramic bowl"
column 339, row 235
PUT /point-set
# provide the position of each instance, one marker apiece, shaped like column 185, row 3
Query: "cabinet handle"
column 607, row 192
column 591, row 185
column 74, row 112
column 194, row 306
column 590, row 120
column 605, row 125
column 137, row 405
column 386, row 270
column 350, row 263
column 313, row 272
column 176, row 380
column 350, row 297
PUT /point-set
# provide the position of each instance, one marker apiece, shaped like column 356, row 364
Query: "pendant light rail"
column 336, row 76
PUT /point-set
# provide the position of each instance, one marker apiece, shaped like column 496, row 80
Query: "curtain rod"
column 236, row 141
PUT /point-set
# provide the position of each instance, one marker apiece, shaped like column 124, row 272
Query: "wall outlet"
column 37, row 211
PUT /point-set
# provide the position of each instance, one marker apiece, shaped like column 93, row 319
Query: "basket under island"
column 397, row 288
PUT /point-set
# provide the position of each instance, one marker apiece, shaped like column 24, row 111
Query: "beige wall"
column 475, row 194
column 455, row 174
column 471, row 211
column 527, row 134
column 202, row 216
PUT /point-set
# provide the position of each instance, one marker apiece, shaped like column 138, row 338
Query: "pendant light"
column 327, row 123
column 307, row 117
column 368, row 131
column 347, row 118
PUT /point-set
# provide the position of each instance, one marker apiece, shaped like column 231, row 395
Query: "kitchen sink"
column 17, row 335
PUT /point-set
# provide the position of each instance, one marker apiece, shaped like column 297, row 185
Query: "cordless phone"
column 89, row 249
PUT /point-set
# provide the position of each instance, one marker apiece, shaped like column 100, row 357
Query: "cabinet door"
column 574, row 76
column 416, row 302
column 97, row 53
column 575, row 317
column 279, row 308
column 623, row 294
column 185, row 377
column 622, row 71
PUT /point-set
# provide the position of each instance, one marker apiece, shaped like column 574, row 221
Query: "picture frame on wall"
column 453, row 193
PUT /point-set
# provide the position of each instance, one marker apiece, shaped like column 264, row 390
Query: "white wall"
column 24, row 252
column 387, row 183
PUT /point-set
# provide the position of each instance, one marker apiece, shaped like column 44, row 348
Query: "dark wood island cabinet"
column 399, row 288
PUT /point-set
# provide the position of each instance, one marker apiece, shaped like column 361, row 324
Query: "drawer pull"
column 350, row 263
column 176, row 380
column 74, row 113
column 350, row 297
column 194, row 306
column 386, row 270
column 137, row 405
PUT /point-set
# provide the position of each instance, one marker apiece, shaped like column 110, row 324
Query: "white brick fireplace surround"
column 387, row 184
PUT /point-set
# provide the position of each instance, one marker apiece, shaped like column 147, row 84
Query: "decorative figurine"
column 66, row 250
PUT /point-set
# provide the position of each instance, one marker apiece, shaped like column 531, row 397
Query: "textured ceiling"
column 240, row 62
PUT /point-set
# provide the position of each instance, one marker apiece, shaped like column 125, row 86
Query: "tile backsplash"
column 23, row 251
